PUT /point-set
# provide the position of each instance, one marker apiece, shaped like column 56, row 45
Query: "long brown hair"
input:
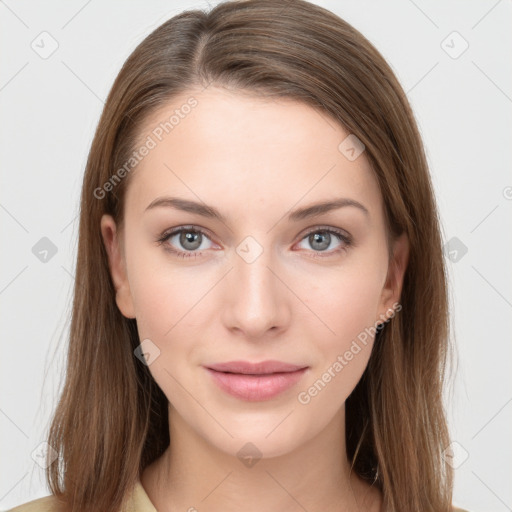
column 112, row 418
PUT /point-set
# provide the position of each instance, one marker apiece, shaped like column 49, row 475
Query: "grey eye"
column 320, row 240
column 190, row 240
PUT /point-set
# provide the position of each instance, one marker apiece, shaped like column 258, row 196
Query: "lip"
column 263, row 367
column 255, row 381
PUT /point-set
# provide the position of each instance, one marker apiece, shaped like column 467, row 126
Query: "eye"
column 189, row 241
column 185, row 242
column 321, row 238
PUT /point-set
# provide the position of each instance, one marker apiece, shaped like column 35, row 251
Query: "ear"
column 395, row 276
column 117, row 266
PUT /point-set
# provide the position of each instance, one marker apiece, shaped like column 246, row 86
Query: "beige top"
column 139, row 502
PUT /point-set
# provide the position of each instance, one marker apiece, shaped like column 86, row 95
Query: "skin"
column 255, row 160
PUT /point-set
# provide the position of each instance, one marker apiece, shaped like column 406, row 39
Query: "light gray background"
column 50, row 108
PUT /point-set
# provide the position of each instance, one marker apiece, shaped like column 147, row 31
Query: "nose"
column 255, row 301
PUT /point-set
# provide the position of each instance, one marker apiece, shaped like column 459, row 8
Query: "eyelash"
column 342, row 237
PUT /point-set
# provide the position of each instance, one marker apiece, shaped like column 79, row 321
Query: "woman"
column 260, row 314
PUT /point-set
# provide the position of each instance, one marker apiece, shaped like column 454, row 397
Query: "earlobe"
column 117, row 266
column 395, row 277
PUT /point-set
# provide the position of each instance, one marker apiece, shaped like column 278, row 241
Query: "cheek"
column 165, row 301
column 162, row 301
column 347, row 305
column 156, row 289
column 345, row 301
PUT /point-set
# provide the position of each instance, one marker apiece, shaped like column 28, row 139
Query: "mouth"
column 255, row 381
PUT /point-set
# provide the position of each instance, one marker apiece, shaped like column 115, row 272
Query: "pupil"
column 317, row 237
column 190, row 238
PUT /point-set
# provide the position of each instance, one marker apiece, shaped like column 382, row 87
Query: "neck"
column 192, row 474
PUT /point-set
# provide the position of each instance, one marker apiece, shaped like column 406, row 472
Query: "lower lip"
column 255, row 388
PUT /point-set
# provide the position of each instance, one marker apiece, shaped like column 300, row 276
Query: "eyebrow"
column 295, row 216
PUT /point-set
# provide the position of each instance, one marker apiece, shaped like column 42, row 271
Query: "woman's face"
column 271, row 279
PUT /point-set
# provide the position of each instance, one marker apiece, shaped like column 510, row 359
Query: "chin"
column 264, row 437
column 251, row 448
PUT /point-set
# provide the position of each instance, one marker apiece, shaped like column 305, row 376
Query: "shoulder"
column 46, row 504
column 457, row 509
column 138, row 501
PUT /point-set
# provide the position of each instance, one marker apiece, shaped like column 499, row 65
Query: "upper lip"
column 246, row 367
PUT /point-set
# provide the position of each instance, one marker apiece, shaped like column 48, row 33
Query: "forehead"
column 222, row 145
